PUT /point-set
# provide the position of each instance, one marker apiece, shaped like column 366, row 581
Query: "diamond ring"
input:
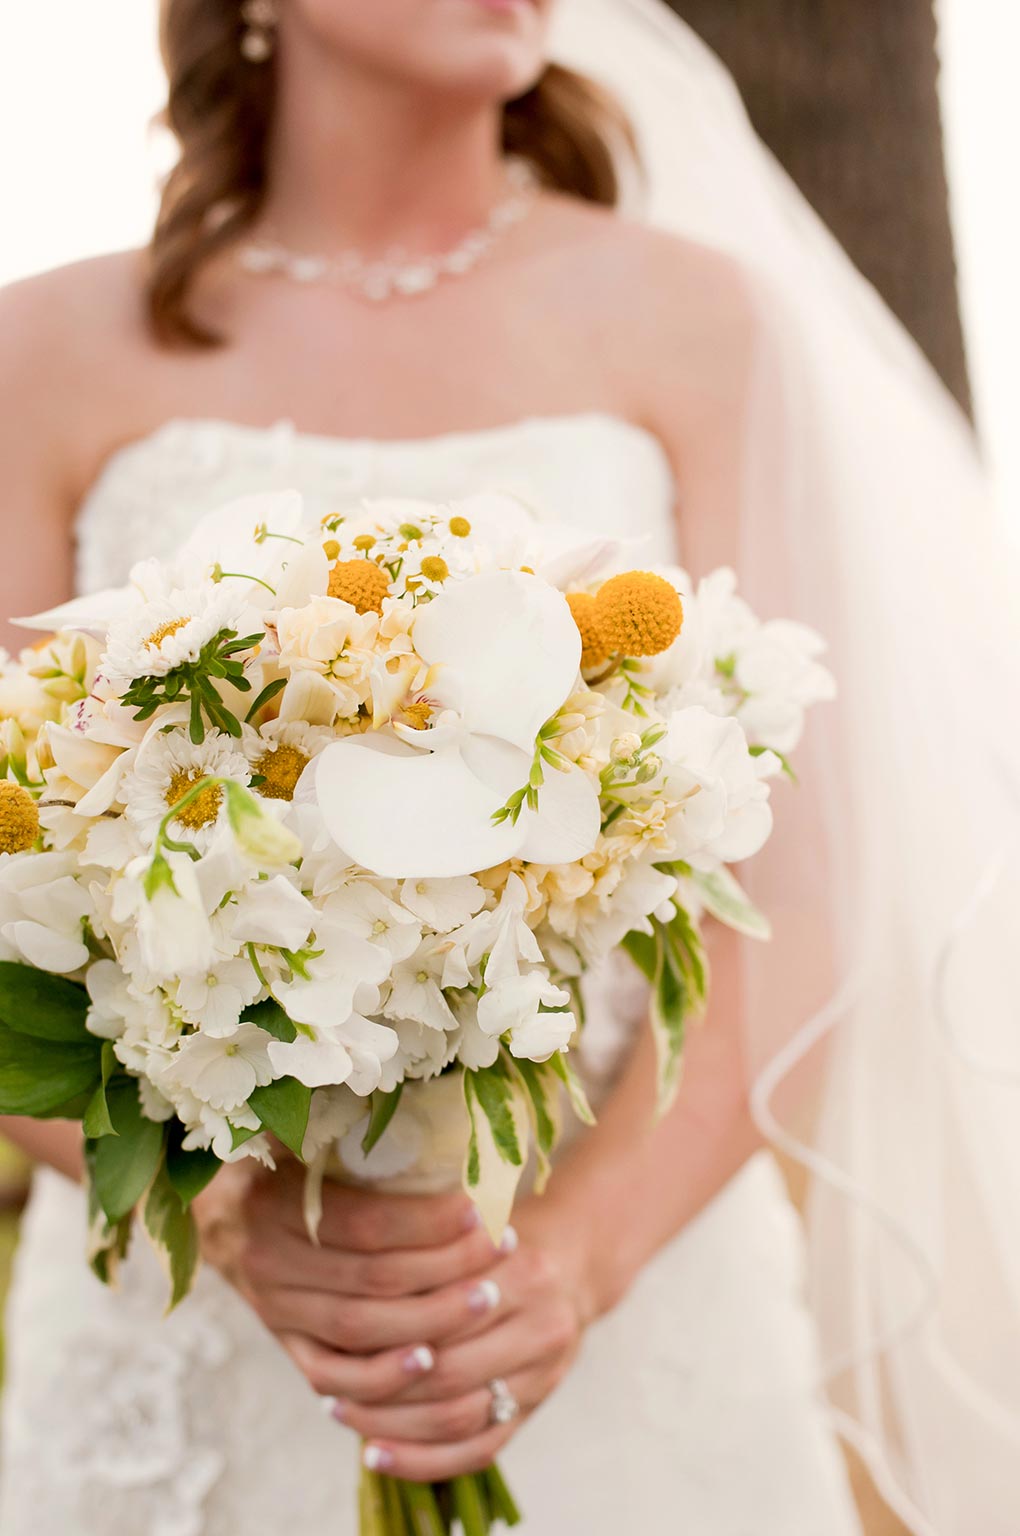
column 505, row 1407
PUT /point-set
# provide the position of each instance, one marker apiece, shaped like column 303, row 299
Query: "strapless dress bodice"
column 591, row 469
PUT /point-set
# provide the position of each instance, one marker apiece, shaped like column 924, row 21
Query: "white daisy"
column 166, row 769
column 167, row 632
column 279, row 752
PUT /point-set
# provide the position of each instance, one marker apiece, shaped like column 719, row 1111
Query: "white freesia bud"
column 263, row 839
column 625, row 746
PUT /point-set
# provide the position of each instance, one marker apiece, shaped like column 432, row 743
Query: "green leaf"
column 384, row 1107
column 39, row 1077
column 688, row 951
column 189, row 1172
column 124, row 1163
column 239, row 1134
column 269, row 692
column 669, row 1010
column 44, row 1006
column 283, row 1109
column 172, row 1229
column 494, row 1091
column 270, row 1016
column 498, row 1114
column 723, row 896
column 542, row 1085
column 96, row 1120
column 570, row 1080
column 643, row 949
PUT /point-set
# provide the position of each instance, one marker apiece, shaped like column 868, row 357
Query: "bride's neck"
column 359, row 161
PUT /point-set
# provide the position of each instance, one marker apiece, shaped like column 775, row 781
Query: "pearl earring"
column 258, row 38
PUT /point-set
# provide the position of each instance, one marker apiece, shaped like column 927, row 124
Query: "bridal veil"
column 893, row 880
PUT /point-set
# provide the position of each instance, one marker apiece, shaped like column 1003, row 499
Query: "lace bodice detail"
column 592, row 470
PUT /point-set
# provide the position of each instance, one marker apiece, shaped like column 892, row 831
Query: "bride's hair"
column 219, row 109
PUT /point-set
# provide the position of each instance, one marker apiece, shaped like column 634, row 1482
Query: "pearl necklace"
column 395, row 274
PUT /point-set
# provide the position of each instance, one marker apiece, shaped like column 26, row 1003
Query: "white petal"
column 226, row 536
column 410, row 814
column 93, row 615
column 566, row 825
column 46, row 949
column 510, row 641
column 273, row 912
column 316, row 1063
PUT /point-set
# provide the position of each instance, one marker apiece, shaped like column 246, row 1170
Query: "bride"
column 391, row 262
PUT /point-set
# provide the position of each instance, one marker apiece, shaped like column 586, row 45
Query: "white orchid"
column 504, row 653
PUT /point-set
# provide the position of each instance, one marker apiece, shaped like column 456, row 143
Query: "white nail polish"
column 508, row 1243
column 485, row 1297
column 419, row 1360
column 327, row 1405
column 376, row 1459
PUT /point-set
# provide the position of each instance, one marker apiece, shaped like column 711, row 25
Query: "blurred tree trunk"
column 846, row 96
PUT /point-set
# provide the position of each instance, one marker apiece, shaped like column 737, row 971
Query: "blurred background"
column 898, row 121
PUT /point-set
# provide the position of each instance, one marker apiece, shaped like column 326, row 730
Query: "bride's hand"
column 545, row 1295
column 360, row 1313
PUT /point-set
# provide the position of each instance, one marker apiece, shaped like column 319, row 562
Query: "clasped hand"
column 405, row 1312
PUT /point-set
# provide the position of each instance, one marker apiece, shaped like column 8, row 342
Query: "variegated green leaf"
column 542, row 1085
column 726, row 900
column 575, row 1092
column 498, row 1112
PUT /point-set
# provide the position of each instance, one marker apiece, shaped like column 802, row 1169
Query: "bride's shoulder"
column 71, row 306
column 70, row 344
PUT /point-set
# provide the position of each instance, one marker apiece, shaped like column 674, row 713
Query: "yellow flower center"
column 363, row 541
column 434, row 568
column 279, row 769
column 361, row 583
column 19, row 818
column 166, row 630
column 204, row 809
column 416, row 714
column 460, row 527
column 638, row 614
column 331, row 549
column 594, row 651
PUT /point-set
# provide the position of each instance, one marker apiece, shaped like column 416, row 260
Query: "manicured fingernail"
column 485, row 1297
column 416, row 1361
column 509, row 1241
column 377, row 1458
column 472, row 1219
column 327, row 1405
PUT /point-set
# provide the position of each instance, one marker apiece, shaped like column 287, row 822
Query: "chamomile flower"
column 163, row 773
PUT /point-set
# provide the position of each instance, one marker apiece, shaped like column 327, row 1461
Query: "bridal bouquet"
column 306, row 819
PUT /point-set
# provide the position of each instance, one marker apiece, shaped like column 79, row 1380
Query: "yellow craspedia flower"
column 361, row 583
column 638, row 614
column 19, row 818
column 593, row 649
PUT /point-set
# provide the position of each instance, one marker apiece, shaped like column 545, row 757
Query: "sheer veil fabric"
column 892, row 881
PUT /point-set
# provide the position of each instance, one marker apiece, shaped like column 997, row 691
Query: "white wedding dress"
column 693, row 1408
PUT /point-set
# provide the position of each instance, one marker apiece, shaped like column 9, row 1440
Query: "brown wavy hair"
column 220, row 107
